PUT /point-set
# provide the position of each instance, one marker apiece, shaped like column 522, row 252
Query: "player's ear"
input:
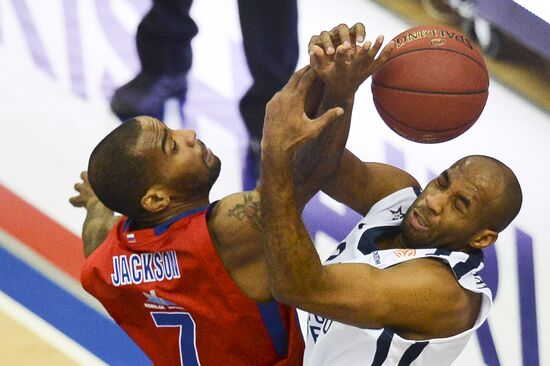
column 156, row 199
column 483, row 239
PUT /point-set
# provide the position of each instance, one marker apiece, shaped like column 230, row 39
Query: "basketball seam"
column 484, row 68
column 378, row 105
column 429, row 91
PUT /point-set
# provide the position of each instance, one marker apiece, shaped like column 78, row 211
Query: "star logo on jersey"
column 397, row 214
column 152, row 298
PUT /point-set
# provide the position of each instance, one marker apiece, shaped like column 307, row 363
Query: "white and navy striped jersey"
column 333, row 343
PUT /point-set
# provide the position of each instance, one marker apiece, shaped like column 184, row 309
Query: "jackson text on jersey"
column 144, row 267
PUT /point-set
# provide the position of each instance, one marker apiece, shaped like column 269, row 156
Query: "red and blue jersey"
column 168, row 289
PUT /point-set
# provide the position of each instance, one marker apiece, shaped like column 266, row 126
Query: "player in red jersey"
column 167, row 287
column 186, row 279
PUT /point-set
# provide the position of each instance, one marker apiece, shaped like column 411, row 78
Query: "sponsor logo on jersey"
column 405, row 252
column 157, row 302
column 376, row 257
column 144, row 267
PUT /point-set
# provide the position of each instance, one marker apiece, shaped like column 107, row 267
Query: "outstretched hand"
column 99, row 218
column 86, row 196
column 286, row 125
column 341, row 63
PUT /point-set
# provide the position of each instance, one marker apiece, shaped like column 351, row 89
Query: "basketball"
column 434, row 86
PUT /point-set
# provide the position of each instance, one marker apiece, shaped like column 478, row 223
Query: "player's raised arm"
column 99, row 219
column 353, row 294
column 359, row 184
column 332, row 63
column 340, row 66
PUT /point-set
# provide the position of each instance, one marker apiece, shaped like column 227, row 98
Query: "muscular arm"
column 235, row 222
column 238, row 217
column 419, row 299
column 359, row 185
column 342, row 72
column 410, row 297
column 313, row 163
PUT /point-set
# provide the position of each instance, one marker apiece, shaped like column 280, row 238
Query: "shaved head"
column 464, row 207
column 118, row 172
column 142, row 156
column 504, row 196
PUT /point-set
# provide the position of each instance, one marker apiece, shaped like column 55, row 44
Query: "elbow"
column 286, row 294
column 281, row 293
column 299, row 288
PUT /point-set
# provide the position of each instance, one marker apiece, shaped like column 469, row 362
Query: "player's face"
column 182, row 161
column 450, row 210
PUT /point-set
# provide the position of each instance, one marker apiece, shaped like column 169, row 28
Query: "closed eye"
column 442, row 180
column 462, row 203
column 174, row 146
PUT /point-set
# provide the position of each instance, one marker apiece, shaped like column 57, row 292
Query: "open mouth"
column 417, row 221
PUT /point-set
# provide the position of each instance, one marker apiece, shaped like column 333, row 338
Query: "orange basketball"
column 434, row 86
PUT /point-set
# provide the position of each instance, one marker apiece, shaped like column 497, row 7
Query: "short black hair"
column 119, row 175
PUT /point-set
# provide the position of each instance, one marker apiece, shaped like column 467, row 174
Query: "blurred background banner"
column 524, row 20
column 60, row 63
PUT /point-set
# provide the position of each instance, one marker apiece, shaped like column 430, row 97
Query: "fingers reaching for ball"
column 343, row 64
column 328, row 41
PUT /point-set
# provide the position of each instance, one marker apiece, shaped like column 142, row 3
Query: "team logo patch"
column 404, row 252
column 397, row 214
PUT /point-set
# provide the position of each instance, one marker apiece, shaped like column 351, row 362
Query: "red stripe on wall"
column 42, row 234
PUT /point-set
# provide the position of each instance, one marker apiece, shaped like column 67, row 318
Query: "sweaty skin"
column 462, row 210
column 234, row 223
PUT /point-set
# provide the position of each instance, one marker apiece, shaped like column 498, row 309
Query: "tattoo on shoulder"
column 249, row 210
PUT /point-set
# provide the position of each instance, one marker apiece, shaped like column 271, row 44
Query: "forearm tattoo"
column 249, row 210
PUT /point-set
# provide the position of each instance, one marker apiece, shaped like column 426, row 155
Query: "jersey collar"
column 161, row 228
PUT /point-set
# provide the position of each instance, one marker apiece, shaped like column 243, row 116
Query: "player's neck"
column 391, row 241
column 174, row 209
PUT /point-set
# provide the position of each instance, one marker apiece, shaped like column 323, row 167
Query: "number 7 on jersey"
column 188, row 348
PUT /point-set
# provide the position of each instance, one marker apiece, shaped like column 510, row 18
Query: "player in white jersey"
column 333, row 343
column 402, row 288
